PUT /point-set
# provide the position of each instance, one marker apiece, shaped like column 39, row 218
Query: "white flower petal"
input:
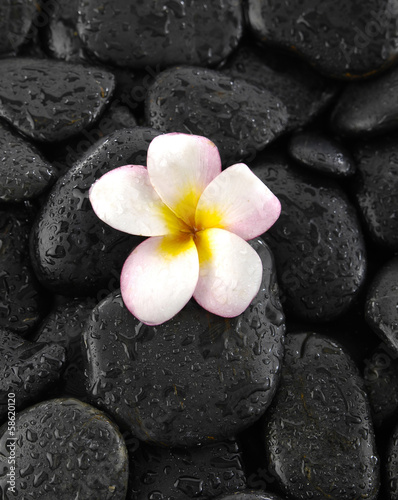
column 159, row 277
column 230, row 272
column 125, row 199
column 238, row 201
column 180, row 167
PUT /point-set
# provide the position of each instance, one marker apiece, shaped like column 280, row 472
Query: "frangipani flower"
column 197, row 218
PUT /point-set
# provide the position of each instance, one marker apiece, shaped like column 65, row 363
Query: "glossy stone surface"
column 324, row 154
column 318, row 431
column 15, row 21
column 251, row 495
column 237, row 116
column 51, row 100
column 203, row 472
column 376, row 188
column 303, row 91
column 22, row 303
column 368, row 108
column 65, row 448
column 139, row 34
column 64, row 326
column 392, row 466
column 27, row 369
column 341, row 39
column 381, row 308
column 194, row 379
column 73, row 251
column 317, row 241
column 24, row 173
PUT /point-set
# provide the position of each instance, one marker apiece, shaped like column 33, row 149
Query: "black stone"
column 51, row 100
column 251, row 495
column 318, row 432
column 137, row 34
column 22, row 304
column 15, row 22
column 368, row 108
column 321, row 153
column 73, row 251
column 381, row 308
column 380, row 374
column 317, row 241
column 64, row 449
column 303, row 91
column 376, row 188
column 196, row 378
column 27, row 369
column 240, row 118
column 64, row 326
column 341, row 39
column 24, row 173
column 203, row 472
column 392, row 466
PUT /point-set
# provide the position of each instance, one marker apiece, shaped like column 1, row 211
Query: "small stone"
column 318, row 432
column 381, row 308
column 317, row 241
column 338, row 38
column 51, row 100
column 240, row 118
column 376, row 189
column 194, row 379
column 73, row 251
column 24, row 172
column 321, row 153
column 368, row 108
column 202, row 472
column 27, row 369
column 64, row 326
column 22, row 304
column 303, row 91
column 139, row 34
column 64, row 448
column 15, row 22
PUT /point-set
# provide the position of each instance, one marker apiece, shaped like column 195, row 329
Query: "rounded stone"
column 240, row 118
column 16, row 18
column 317, row 241
column 139, row 34
column 51, row 100
column 64, row 448
column 318, row 432
column 342, row 39
column 73, row 251
column 194, row 379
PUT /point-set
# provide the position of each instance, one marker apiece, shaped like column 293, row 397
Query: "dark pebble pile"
column 296, row 398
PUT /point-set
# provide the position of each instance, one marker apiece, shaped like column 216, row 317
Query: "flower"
column 197, row 218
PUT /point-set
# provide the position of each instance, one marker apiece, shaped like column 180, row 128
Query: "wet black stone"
column 341, row 39
column 376, row 188
column 166, row 32
column 368, row 108
column 64, row 326
column 51, row 100
column 317, row 241
column 392, row 466
column 24, row 173
column 380, row 374
column 60, row 32
column 203, row 472
column 73, row 251
column 251, row 495
column 318, row 432
column 15, row 21
column 22, row 304
column 27, row 369
column 65, row 449
column 381, row 308
column 321, row 153
column 116, row 117
column 303, row 91
column 238, row 117
column 197, row 377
